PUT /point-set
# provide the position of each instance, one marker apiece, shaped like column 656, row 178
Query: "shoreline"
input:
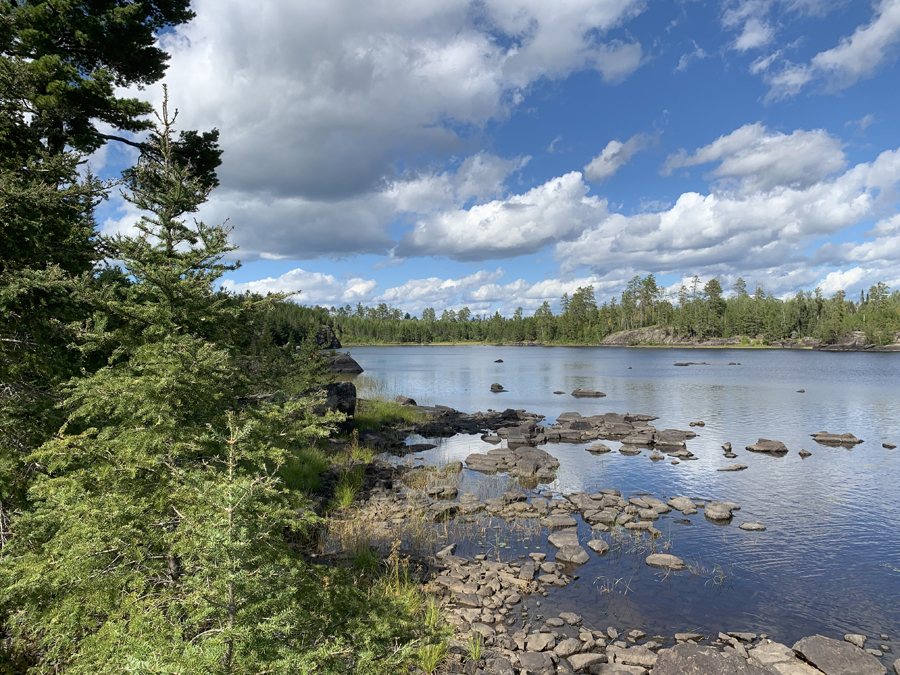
column 875, row 349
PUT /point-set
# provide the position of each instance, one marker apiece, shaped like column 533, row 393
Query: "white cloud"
column 614, row 156
column 751, row 230
column 755, row 35
column 315, row 288
column 752, row 158
column 685, row 60
column 855, row 58
column 559, row 209
column 862, row 124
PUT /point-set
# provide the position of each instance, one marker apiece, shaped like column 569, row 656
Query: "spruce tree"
column 157, row 535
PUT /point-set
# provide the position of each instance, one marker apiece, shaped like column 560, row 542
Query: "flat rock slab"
column 587, row 393
column 598, row 449
column 835, row 657
column 781, row 659
column 688, row 658
column 767, row 446
column 559, row 521
column 580, row 662
column 681, row 504
column 598, row 546
column 718, row 511
column 666, row 562
column 753, row 527
column 826, row 438
column 563, row 538
column 573, row 555
column 734, row 467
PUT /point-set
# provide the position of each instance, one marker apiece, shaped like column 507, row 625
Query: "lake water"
column 829, row 561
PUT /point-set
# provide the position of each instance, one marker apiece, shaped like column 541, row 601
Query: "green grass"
column 374, row 414
column 431, row 656
column 475, row 646
column 303, row 470
column 348, row 485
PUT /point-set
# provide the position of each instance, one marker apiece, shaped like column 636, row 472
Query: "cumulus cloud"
column 614, row 156
column 855, row 58
column 685, row 60
column 314, row 288
column 559, row 209
column 320, row 102
column 755, row 35
column 752, row 158
column 750, row 230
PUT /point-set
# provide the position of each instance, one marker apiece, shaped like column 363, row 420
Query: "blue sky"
column 499, row 153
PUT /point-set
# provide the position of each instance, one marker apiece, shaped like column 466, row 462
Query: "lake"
column 829, row 561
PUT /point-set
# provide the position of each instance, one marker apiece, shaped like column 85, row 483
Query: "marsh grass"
column 376, row 414
column 302, row 472
column 475, row 646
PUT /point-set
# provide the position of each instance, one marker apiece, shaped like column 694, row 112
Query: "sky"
column 499, row 153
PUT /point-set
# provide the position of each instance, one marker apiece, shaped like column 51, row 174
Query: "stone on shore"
column 665, row 561
column 767, row 446
column 539, row 663
column 781, row 659
column 688, row 658
column 580, row 662
column 834, row 657
column 405, row 401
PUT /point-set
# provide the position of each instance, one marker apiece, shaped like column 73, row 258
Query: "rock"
column 897, row 667
column 343, row 363
column 538, row 663
column 889, row 446
column 563, row 538
column 688, row 658
column 598, row 546
column 539, row 642
column 633, row 656
column 580, row 662
column 656, row 456
column 801, row 391
column 497, row 388
column 856, row 639
column 587, row 393
column 780, row 659
column 559, row 521
column 805, row 453
column 753, row 527
column 691, row 363
column 727, row 446
column 699, row 423
column 405, row 401
column 834, row 657
column 573, row 555
column 339, row 396
column 567, row 647
column 665, row 561
column 571, row 618
column 559, row 392
column 734, row 467
column 326, row 339
column 499, row 665
column 688, row 637
column 598, row 449
column 681, row 504
column 826, row 438
column 717, row 511
column 499, row 361
column 767, row 446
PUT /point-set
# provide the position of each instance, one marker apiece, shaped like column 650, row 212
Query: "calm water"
column 830, row 560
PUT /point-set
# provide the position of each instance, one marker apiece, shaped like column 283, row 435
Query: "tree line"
column 695, row 310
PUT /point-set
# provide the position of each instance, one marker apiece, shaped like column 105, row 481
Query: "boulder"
column 598, row 546
column 598, row 449
column 405, row 401
column 326, row 339
column 780, row 659
column 497, row 388
column 835, row 657
column 538, row 663
column 665, row 561
column 343, row 363
column 572, row 555
column 889, row 446
column 681, row 504
column 688, row 658
column 540, row 642
column 587, row 393
column 581, row 662
column 718, row 511
column 339, row 396
column 805, row 453
column 499, row 361
column 767, row 446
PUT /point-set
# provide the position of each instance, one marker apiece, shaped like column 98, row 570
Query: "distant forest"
column 695, row 311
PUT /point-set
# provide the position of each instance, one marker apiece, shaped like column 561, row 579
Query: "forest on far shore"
column 694, row 312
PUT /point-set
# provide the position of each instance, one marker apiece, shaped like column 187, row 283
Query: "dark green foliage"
column 696, row 310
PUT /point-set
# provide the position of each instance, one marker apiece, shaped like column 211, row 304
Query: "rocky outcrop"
column 688, row 658
column 339, row 396
column 343, row 363
column 525, row 462
column 834, row 657
column 663, row 336
column 326, row 339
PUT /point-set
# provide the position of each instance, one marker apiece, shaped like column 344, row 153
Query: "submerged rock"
column 666, row 562
column 734, row 467
column 753, row 527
